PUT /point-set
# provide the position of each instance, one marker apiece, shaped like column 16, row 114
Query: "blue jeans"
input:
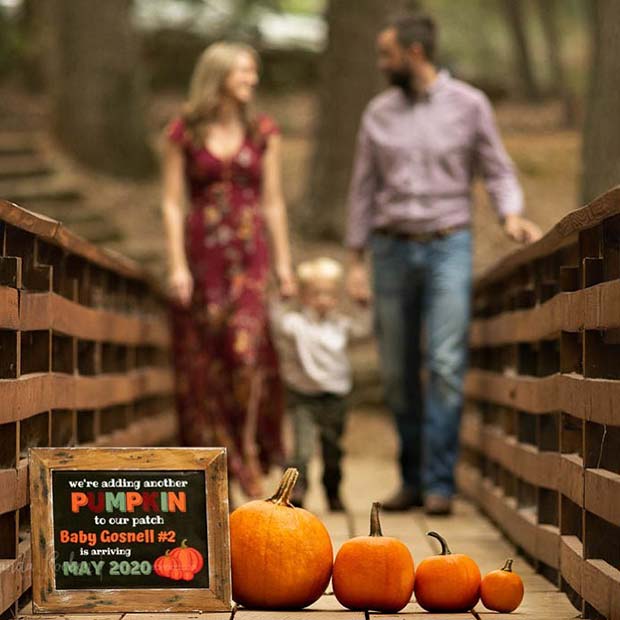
column 424, row 288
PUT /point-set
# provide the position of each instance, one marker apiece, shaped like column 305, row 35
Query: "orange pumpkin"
column 447, row 582
column 167, row 566
column 190, row 560
column 281, row 556
column 374, row 572
column 502, row 590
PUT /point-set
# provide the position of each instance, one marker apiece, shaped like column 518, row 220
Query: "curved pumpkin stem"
column 508, row 565
column 375, row 523
column 285, row 488
column 445, row 550
column 183, row 545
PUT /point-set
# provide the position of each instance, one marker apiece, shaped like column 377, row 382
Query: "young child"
column 316, row 370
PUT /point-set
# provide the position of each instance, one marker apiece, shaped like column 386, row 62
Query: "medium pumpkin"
column 281, row 556
column 447, row 582
column 190, row 560
column 373, row 572
column 502, row 590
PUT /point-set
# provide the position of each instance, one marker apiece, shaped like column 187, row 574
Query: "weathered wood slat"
column 584, row 398
column 14, row 485
column 571, row 561
column 52, row 311
column 601, row 587
column 591, row 308
column 9, row 308
column 602, row 494
column 571, row 477
column 54, row 232
column 31, row 394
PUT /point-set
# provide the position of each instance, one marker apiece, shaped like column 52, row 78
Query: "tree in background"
column 95, row 83
column 601, row 136
column 516, row 19
column 349, row 79
column 549, row 17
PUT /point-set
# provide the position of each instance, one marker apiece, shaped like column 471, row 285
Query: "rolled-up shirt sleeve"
column 495, row 165
column 361, row 191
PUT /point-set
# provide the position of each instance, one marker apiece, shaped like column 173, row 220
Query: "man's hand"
column 358, row 286
column 521, row 230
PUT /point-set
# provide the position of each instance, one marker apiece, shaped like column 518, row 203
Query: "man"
column 419, row 145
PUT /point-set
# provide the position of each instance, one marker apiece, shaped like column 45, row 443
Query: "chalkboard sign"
column 129, row 529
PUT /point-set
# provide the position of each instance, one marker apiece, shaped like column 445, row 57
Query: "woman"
column 227, row 162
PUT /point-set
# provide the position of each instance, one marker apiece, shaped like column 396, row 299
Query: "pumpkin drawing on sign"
column 179, row 563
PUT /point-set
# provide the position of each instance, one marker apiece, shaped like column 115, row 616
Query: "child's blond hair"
column 322, row 268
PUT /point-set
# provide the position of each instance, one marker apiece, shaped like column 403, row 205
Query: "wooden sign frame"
column 46, row 598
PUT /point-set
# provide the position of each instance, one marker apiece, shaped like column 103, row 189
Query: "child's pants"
column 326, row 412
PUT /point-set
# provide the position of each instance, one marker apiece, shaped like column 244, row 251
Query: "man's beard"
column 402, row 79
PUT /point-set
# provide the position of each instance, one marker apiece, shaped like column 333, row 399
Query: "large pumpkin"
column 447, row 582
column 373, row 572
column 281, row 556
column 502, row 590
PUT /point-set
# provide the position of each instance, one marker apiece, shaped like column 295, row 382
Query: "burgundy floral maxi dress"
column 222, row 347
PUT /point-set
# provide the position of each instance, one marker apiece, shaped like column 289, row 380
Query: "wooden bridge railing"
column 541, row 426
column 83, row 360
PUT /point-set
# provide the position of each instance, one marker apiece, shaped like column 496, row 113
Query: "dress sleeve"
column 176, row 132
column 266, row 127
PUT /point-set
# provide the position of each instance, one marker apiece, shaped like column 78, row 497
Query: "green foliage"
column 9, row 42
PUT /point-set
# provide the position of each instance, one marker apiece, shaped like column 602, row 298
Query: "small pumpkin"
column 502, row 590
column 166, row 566
column 374, row 572
column 447, row 582
column 281, row 556
column 190, row 560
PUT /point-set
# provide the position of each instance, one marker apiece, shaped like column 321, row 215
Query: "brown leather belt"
column 423, row 237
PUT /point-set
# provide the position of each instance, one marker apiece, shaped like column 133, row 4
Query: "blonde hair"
column 322, row 268
column 207, row 85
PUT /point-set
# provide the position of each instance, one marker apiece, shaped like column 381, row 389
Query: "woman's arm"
column 275, row 215
column 179, row 277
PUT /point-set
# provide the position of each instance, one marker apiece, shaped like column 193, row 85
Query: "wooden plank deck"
column 370, row 474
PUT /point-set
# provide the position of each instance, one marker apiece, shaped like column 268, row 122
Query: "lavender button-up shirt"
column 415, row 162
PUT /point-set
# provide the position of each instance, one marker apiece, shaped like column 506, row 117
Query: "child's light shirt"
column 313, row 350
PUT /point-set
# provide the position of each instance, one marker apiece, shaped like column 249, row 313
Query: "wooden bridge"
column 84, row 360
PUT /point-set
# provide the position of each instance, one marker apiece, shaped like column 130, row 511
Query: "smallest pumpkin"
column 373, row 572
column 502, row 590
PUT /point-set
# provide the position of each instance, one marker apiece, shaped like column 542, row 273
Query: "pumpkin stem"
column 375, row 524
column 183, row 545
column 508, row 565
column 285, row 488
column 445, row 550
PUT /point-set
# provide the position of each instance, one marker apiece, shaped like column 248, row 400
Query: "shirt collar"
column 313, row 316
column 443, row 77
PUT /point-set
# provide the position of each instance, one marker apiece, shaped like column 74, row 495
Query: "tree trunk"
column 513, row 10
column 95, row 85
column 549, row 18
column 601, row 145
column 349, row 79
